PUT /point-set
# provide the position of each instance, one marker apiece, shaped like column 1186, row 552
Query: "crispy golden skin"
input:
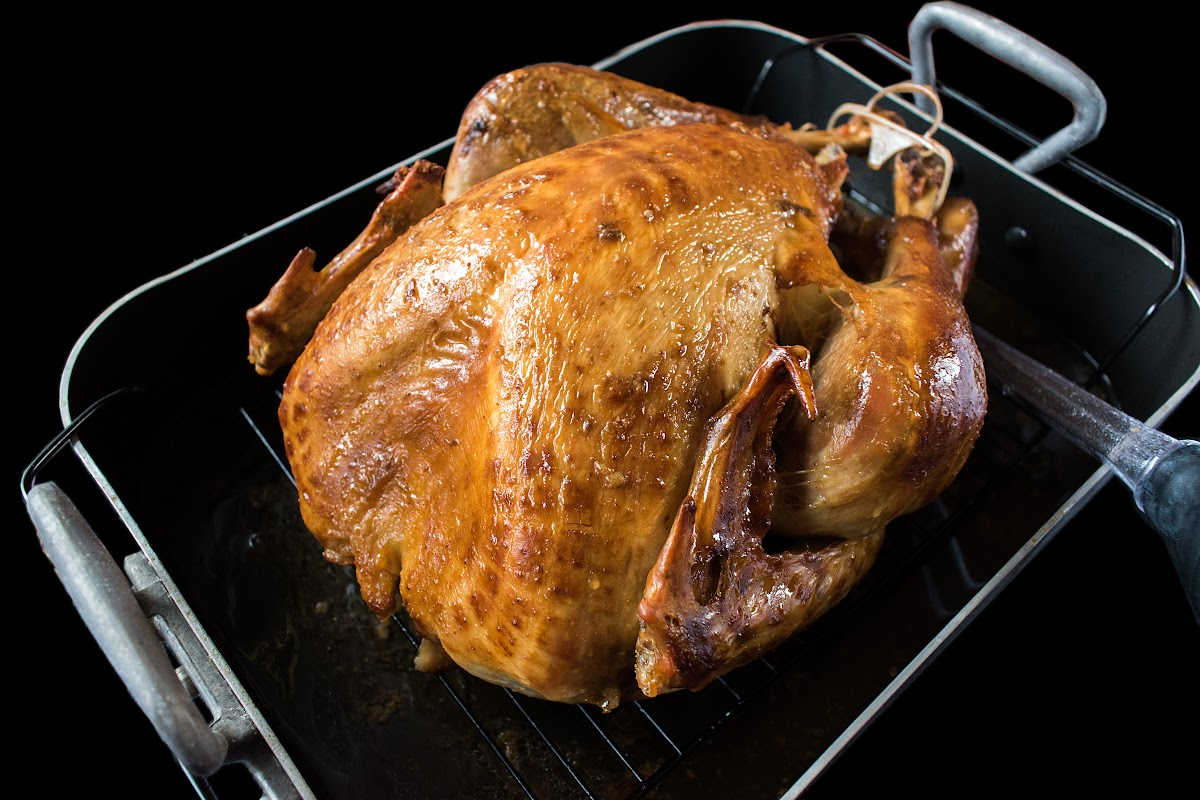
column 532, row 112
column 716, row 599
column 900, row 385
column 503, row 411
column 503, row 414
column 516, row 117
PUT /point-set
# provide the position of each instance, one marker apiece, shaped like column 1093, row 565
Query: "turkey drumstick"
column 893, row 406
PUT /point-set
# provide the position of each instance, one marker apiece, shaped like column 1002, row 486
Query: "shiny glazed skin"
column 883, row 423
column 502, row 413
column 505, row 415
column 514, row 118
column 899, row 382
column 541, row 109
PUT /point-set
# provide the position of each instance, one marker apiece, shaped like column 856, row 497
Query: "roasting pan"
column 312, row 698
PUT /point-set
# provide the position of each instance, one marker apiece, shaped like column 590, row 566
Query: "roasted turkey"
column 557, row 416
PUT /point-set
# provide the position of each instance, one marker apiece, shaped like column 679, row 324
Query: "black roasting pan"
column 312, row 698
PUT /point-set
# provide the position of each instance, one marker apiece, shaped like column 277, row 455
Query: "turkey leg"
column 898, row 379
column 716, row 599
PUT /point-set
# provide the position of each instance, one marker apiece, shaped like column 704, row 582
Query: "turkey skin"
column 499, row 423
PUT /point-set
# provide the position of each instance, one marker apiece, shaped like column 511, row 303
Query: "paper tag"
column 886, row 142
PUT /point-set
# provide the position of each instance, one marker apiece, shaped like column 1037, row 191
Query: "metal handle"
column 1021, row 52
column 104, row 600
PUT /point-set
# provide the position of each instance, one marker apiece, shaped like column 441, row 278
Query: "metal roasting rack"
column 542, row 749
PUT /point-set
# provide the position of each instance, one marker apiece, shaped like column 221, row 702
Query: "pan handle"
column 1021, row 52
column 104, row 599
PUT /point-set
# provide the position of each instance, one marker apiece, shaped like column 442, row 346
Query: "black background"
column 144, row 142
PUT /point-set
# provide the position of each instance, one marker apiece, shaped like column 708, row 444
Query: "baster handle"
column 1021, row 52
column 1169, row 496
column 1162, row 472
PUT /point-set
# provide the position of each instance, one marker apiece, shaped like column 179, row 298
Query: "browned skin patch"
column 898, row 402
column 515, row 118
column 899, row 382
column 531, row 112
